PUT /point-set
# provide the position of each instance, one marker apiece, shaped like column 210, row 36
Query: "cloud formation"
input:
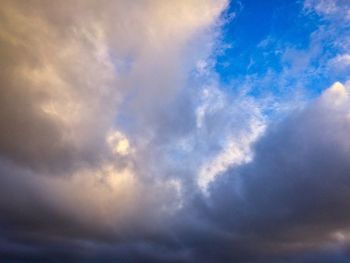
column 119, row 142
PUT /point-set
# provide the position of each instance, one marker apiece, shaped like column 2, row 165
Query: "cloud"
column 336, row 9
column 65, row 77
column 218, row 116
column 84, row 88
column 332, row 35
column 292, row 198
column 119, row 143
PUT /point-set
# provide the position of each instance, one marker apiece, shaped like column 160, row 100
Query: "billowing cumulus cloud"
column 83, row 84
column 297, row 184
column 119, row 141
column 85, row 91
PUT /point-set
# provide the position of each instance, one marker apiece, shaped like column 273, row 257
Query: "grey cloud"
column 277, row 208
column 62, row 93
column 293, row 196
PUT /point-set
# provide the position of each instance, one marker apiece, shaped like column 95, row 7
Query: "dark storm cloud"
column 293, row 196
column 290, row 204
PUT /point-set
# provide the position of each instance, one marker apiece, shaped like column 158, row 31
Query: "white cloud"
column 89, row 95
column 236, row 151
column 235, row 139
column 341, row 62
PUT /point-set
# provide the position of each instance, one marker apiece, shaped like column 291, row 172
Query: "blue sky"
column 271, row 37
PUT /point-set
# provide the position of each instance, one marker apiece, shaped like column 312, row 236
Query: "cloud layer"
column 118, row 142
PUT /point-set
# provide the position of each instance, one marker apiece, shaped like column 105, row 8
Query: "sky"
column 188, row 131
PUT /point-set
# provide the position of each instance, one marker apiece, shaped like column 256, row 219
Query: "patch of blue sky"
column 276, row 48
